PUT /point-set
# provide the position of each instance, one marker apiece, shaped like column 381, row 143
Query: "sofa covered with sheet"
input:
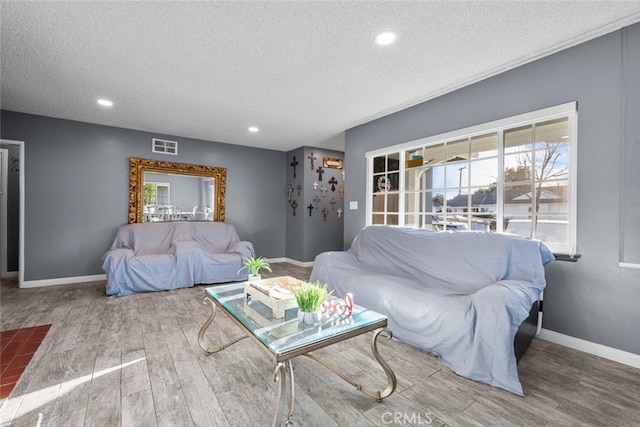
column 159, row 256
column 458, row 295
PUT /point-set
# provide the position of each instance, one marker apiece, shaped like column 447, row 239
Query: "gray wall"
column 309, row 235
column 631, row 149
column 592, row 299
column 295, row 224
column 77, row 189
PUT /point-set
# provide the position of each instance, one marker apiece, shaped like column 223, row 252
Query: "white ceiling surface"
column 303, row 72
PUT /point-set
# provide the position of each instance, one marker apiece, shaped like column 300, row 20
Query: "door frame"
column 4, row 175
column 21, row 204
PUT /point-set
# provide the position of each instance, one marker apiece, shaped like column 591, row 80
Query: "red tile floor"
column 17, row 347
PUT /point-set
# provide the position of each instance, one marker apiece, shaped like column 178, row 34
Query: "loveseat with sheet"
column 459, row 295
column 156, row 256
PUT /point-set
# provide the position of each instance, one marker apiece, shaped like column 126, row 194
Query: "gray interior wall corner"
column 322, row 235
column 77, row 186
column 308, row 234
column 295, row 224
column 630, row 200
column 592, row 299
column 355, row 184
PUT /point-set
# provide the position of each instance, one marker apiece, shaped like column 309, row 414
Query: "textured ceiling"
column 303, row 72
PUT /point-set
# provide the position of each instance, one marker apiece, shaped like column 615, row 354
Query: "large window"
column 515, row 175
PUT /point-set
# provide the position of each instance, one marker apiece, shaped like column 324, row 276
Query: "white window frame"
column 164, row 146
column 568, row 110
column 161, row 184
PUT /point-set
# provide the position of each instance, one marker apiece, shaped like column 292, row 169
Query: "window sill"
column 567, row 257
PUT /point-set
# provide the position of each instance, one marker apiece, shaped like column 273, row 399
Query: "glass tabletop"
column 287, row 334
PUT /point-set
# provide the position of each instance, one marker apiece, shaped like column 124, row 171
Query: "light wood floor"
column 135, row 361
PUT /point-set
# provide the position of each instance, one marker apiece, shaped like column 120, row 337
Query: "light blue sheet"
column 169, row 255
column 461, row 295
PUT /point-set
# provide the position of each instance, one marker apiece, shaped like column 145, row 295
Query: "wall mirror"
column 169, row 191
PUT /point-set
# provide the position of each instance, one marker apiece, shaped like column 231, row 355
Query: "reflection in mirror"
column 172, row 197
column 168, row 191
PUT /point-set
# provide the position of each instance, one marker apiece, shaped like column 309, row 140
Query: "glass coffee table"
column 285, row 338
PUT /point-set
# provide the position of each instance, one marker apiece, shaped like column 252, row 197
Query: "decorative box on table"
column 272, row 293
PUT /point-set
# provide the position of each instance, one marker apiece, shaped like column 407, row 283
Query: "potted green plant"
column 309, row 297
column 254, row 265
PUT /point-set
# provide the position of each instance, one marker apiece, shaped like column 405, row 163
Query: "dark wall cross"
column 293, row 165
column 311, row 158
column 333, row 181
column 325, row 212
column 310, row 207
column 320, row 172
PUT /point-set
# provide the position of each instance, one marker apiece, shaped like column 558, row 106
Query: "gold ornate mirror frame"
column 137, row 168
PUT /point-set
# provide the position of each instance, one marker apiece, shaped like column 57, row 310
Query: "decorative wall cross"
column 14, row 164
column 325, row 212
column 315, row 185
column 332, row 203
column 339, row 213
column 320, row 172
column 324, row 190
column 299, row 187
column 341, row 191
column 310, row 207
column 342, row 172
column 294, row 205
column 293, row 165
column 333, row 181
column 311, row 158
column 316, row 200
column 289, row 191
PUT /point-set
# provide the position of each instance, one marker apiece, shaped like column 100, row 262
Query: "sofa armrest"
column 242, row 248
column 118, row 254
column 512, row 297
column 115, row 262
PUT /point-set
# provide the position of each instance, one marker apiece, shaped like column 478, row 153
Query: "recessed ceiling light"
column 386, row 38
column 105, row 102
column 253, row 129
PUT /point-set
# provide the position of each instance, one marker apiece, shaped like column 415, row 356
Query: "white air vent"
column 164, row 146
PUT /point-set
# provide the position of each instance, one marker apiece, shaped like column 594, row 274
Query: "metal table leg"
column 204, row 327
column 280, row 376
column 391, row 376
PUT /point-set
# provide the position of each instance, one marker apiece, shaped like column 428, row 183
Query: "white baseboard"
column 63, row 281
column 292, row 261
column 629, row 265
column 98, row 277
column 620, row 356
column 298, row 263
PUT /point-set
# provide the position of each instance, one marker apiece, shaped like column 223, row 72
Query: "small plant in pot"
column 254, row 265
column 309, row 297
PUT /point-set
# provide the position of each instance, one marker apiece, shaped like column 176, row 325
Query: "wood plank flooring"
column 135, row 361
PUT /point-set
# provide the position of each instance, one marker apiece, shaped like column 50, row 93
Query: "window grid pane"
column 458, row 184
column 385, row 183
